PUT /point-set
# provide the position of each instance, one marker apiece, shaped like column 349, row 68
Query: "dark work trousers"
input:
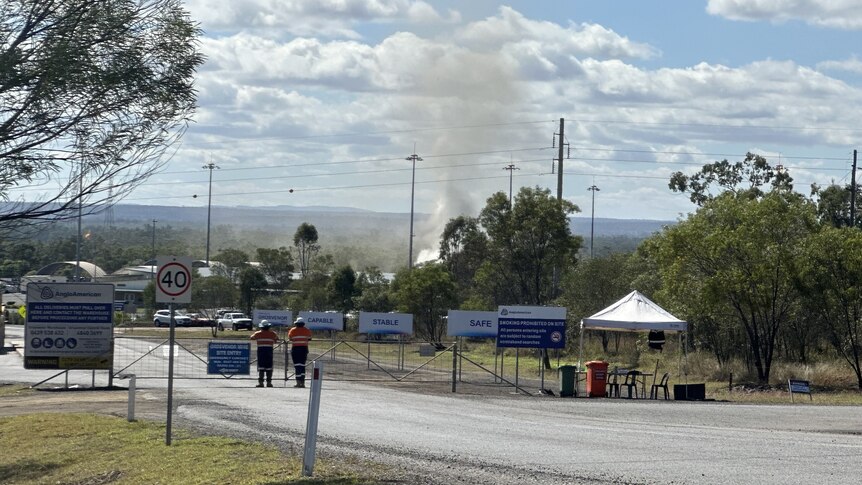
column 264, row 364
column 299, row 353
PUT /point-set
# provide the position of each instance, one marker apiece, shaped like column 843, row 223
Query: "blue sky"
column 328, row 97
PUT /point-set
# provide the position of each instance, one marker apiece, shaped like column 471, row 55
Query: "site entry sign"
column 229, row 358
column 69, row 326
column 532, row 327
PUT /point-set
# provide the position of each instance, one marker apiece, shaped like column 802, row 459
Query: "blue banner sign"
column 531, row 327
column 229, row 358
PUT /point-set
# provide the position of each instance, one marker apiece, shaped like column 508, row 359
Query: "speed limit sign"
column 174, row 280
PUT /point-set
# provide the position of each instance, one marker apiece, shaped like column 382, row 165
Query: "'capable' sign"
column 323, row 320
column 391, row 323
column 471, row 324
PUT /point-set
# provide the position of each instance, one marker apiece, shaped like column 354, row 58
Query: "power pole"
column 593, row 189
column 853, row 193
column 510, row 167
column 413, row 158
column 560, row 160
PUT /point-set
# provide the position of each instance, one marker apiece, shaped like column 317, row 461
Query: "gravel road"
column 438, row 437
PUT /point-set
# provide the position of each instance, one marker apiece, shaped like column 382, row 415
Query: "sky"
column 320, row 102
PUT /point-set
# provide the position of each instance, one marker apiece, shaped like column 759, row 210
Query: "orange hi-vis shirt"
column 299, row 336
column 265, row 338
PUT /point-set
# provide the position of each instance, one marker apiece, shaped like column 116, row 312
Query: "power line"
column 374, row 133
column 370, row 160
column 345, row 187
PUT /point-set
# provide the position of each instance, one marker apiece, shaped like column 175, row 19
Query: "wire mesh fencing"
column 436, row 368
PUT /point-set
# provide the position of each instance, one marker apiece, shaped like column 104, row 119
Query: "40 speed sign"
column 174, row 280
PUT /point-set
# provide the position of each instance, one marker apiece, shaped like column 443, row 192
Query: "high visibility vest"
column 264, row 338
column 299, row 336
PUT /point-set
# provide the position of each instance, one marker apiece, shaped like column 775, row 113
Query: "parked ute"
column 235, row 321
column 162, row 318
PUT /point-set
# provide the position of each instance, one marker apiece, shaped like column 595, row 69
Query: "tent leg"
column 581, row 345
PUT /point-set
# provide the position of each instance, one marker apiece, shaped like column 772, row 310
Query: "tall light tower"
column 511, row 168
column 210, row 166
column 153, row 261
column 413, row 158
column 593, row 189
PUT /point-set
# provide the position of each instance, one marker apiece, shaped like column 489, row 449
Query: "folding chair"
column 653, row 393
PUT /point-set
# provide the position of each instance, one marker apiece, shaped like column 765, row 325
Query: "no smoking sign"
column 174, row 280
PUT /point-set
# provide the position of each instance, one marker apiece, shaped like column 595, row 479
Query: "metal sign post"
column 313, row 413
column 173, row 285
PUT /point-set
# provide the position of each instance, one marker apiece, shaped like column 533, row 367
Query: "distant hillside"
column 343, row 220
column 605, row 227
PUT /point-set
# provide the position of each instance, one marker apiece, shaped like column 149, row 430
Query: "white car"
column 162, row 318
column 235, row 321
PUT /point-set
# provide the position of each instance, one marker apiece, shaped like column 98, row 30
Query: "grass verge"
column 92, row 449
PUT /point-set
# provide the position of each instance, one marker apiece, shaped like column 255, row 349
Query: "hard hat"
column 264, row 324
column 299, row 322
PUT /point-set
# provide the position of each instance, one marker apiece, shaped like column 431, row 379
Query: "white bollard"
column 313, row 413
column 131, row 416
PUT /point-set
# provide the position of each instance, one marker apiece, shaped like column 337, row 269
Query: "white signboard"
column 462, row 323
column 69, row 326
column 174, row 279
column 323, row 320
column 278, row 318
column 392, row 323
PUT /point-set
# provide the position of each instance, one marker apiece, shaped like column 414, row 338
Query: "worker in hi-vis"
column 299, row 337
column 266, row 340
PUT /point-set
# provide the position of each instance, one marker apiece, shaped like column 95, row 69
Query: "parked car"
column 201, row 320
column 235, row 321
column 162, row 318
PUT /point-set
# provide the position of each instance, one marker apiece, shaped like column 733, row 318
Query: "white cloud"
column 327, row 18
column 853, row 64
column 511, row 28
column 842, row 14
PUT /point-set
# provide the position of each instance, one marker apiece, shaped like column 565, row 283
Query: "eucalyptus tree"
column 93, row 95
column 742, row 252
column 831, row 279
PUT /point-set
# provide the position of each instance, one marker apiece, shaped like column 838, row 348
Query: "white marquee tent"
column 633, row 313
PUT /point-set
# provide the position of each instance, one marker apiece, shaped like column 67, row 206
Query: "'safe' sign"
column 391, row 323
column 462, row 323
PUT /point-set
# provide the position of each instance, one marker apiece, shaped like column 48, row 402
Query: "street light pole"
column 593, row 189
column 210, row 166
column 414, row 158
column 153, row 261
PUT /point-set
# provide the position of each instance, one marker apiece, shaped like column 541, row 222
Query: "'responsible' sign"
column 323, row 320
column 386, row 323
column 461, row 323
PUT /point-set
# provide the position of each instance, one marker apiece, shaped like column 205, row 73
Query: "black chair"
column 653, row 393
column 631, row 384
column 613, row 385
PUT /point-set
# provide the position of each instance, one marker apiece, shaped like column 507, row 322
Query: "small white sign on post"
column 174, row 279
